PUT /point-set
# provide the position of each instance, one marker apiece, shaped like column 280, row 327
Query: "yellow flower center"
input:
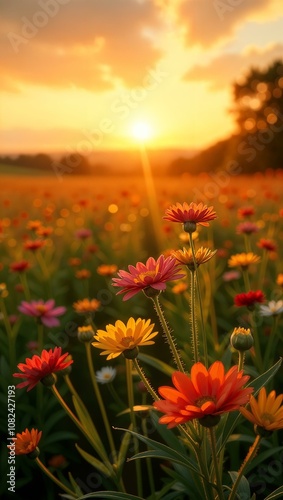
column 128, row 342
column 40, row 308
column 201, row 401
column 267, row 419
column 143, row 276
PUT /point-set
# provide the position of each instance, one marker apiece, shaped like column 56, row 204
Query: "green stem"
column 262, row 269
column 25, row 286
column 193, row 319
column 251, row 454
column 258, row 357
column 80, row 426
column 134, row 424
column 241, row 360
column 204, row 339
column 246, row 279
column 148, row 460
column 247, row 238
column 271, row 341
column 145, row 380
column 215, row 463
column 54, row 479
column 40, row 330
column 11, row 338
column 100, row 401
column 169, row 337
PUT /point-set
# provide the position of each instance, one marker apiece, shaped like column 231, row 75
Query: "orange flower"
column 86, row 306
column 33, row 245
column 38, row 367
column 106, row 269
column 27, row 441
column 33, row 225
column 206, row 393
column 266, row 412
column 83, row 274
column 243, row 260
column 279, row 279
column 180, row 288
column 185, row 256
column 198, row 214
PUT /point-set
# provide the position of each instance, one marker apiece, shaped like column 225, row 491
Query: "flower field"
column 141, row 337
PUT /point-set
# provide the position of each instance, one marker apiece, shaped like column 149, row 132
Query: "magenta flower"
column 153, row 274
column 83, row 233
column 45, row 311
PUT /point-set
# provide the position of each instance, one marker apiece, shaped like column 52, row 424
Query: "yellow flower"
column 185, row 256
column 243, row 260
column 122, row 338
column 266, row 412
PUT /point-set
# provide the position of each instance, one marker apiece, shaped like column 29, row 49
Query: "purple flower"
column 45, row 311
column 83, row 233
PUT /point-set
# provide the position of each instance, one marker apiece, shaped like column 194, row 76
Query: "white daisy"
column 106, row 374
column 272, row 308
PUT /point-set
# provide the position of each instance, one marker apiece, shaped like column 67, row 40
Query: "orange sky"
column 78, row 74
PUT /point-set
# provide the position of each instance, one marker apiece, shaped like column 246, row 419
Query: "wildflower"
column 247, row 227
column 180, row 288
column 190, row 215
column 123, row 338
column 37, row 368
column 85, row 333
column 243, row 260
column 279, row 279
column 19, row 267
column 152, row 275
column 3, row 291
column 242, row 339
column 83, row 274
column 33, row 225
column 33, row 245
column 185, row 256
column 249, row 299
column 266, row 413
column 57, row 461
column 273, row 308
column 106, row 269
column 246, row 212
column 74, row 262
column 27, row 441
column 44, row 231
column 206, row 393
column 83, row 233
column 86, row 306
column 45, row 311
column 106, row 375
column 266, row 244
column 231, row 276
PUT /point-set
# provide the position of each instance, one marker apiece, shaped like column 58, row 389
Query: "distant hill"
column 250, row 152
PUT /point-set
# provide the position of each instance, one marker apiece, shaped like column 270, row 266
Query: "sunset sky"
column 80, row 74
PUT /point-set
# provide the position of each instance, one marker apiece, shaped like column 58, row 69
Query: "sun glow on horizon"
column 141, row 131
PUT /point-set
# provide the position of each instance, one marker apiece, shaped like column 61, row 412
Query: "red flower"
column 247, row 227
column 26, row 442
column 205, row 392
column 38, row 367
column 153, row 274
column 20, row 267
column 199, row 214
column 246, row 212
column 249, row 299
column 33, row 245
column 268, row 245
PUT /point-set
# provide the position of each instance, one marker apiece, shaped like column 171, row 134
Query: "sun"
column 141, row 131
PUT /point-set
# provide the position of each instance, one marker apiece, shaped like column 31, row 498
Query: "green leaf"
column 75, row 486
column 275, row 494
column 156, row 363
column 122, row 452
column 59, row 436
column 53, row 419
column 243, row 490
column 111, row 495
column 88, row 424
column 95, row 462
column 163, row 451
column 263, row 456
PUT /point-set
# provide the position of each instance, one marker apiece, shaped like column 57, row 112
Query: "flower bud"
column 131, row 353
column 261, row 431
column 151, row 292
column 85, row 333
column 209, row 420
column 190, row 226
column 49, row 380
column 242, row 339
column 33, row 454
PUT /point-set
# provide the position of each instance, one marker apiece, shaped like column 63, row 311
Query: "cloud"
column 224, row 69
column 91, row 44
column 209, row 21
